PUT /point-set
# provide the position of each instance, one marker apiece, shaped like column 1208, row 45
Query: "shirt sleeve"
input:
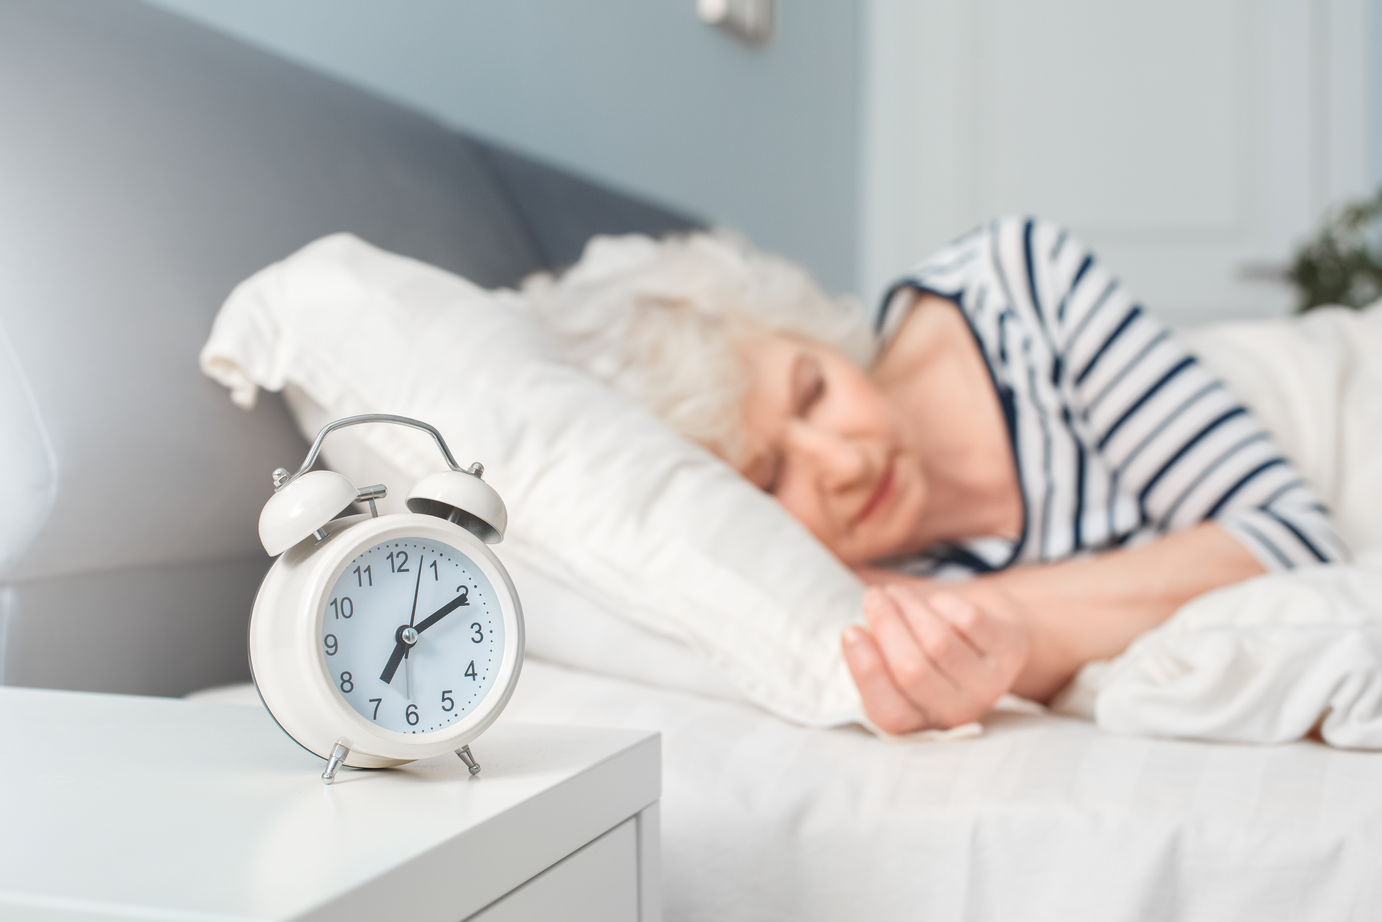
column 1177, row 441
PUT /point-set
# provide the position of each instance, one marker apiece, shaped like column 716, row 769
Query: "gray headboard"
column 147, row 166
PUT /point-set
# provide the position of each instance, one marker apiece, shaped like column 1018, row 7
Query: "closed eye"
column 774, row 477
column 764, row 470
column 808, row 385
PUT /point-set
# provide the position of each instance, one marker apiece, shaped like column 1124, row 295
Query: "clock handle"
column 282, row 478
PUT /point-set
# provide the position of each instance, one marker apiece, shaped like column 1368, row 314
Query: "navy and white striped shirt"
column 1118, row 433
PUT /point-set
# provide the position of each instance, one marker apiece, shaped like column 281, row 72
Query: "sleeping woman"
column 1024, row 465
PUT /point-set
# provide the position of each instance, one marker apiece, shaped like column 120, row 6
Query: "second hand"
column 412, row 616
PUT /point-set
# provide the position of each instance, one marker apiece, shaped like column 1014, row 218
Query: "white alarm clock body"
column 381, row 639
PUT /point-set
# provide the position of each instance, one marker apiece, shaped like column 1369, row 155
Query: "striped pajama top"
column 1118, row 433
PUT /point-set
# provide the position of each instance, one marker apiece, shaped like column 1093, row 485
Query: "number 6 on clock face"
column 423, row 640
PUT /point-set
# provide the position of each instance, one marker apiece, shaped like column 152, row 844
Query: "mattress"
column 1041, row 817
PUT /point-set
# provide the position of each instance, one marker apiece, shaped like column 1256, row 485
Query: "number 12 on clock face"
column 412, row 635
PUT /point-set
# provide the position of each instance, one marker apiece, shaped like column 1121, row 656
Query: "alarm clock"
column 380, row 639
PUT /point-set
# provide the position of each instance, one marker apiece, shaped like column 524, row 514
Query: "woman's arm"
column 926, row 662
column 1091, row 608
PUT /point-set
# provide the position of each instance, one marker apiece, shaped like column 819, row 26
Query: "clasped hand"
column 933, row 657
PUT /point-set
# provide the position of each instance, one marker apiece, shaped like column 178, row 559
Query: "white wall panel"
column 1192, row 142
column 1113, row 133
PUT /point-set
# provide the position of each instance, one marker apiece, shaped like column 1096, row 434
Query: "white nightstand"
column 121, row 807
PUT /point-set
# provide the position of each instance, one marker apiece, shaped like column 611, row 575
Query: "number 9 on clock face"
column 412, row 635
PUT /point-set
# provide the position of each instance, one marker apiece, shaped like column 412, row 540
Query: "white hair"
column 666, row 322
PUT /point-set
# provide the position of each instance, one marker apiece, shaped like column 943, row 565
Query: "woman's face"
column 822, row 439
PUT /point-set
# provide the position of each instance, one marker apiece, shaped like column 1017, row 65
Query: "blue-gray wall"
column 638, row 94
column 1375, row 92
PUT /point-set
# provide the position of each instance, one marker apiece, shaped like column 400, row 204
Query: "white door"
column 1192, row 143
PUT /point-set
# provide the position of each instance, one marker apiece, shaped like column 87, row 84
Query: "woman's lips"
column 881, row 492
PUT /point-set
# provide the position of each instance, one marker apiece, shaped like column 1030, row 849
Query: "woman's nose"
column 838, row 462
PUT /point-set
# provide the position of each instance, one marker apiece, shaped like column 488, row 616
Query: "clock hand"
column 407, row 659
column 440, row 613
column 400, row 650
column 404, row 638
column 396, row 657
column 416, row 586
column 401, row 646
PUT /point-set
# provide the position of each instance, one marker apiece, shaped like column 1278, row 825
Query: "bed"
column 170, row 163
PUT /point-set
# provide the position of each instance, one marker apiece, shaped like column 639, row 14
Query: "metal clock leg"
column 468, row 759
column 337, row 757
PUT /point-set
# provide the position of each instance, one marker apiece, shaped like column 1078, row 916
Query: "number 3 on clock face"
column 412, row 635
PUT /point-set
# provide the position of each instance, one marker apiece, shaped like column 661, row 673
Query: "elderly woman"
column 1026, row 466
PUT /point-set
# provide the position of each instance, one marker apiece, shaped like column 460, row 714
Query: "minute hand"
column 440, row 613
column 401, row 648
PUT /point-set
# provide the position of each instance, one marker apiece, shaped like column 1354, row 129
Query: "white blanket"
column 1264, row 662
column 1274, row 658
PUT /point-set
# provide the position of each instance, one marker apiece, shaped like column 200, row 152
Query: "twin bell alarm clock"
column 380, row 639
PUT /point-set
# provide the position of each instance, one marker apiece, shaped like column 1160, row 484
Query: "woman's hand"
column 932, row 659
column 879, row 576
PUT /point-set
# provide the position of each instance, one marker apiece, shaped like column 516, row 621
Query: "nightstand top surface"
column 117, row 806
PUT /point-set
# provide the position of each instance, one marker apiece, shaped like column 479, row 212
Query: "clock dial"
column 412, row 635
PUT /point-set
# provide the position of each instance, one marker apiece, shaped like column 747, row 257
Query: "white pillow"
column 561, row 622
column 603, row 498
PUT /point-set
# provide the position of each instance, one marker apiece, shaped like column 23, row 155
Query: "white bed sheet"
column 1042, row 817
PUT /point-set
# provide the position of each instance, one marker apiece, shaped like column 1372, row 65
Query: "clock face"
column 412, row 635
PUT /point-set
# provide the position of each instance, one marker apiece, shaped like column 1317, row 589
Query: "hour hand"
column 395, row 658
column 404, row 638
column 440, row 613
column 402, row 644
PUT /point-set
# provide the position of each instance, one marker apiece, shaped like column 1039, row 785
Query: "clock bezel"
column 484, row 563
column 299, row 689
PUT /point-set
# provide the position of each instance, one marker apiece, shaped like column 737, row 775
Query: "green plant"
column 1343, row 263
